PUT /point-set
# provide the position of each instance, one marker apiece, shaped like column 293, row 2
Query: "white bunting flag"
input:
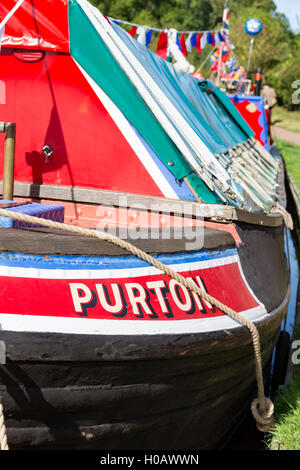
column 203, row 40
column 188, row 43
column 141, row 35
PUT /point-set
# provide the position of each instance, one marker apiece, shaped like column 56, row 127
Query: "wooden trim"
column 220, row 213
column 55, row 242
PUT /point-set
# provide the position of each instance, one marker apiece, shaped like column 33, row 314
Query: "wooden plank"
column 140, row 202
column 46, row 241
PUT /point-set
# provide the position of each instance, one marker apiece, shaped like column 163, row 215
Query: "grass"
column 289, row 120
column 291, row 155
column 286, row 435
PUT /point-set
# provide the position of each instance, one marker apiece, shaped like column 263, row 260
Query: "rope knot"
column 288, row 220
column 264, row 418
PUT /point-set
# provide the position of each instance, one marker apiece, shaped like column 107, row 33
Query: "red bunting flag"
column 198, row 43
column 215, row 66
column 132, row 31
column 182, row 45
column 106, row 17
column 198, row 74
column 162, row 45
column 226, row 53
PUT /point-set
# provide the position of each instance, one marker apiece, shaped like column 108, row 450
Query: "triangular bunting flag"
column 215, row 61
column 107, row 19
column 149, row 37
column 221, row 37
column 194, row 39
column 215, row 66
column 188, row 43
column 198, row 75
column 217, row 40
column 211, row 39
column 226, row 53
column 132, row 31
column 198, row 43
column 183, row 45
column 226, row 19
column 162, row 45
column 141, row 33
column 203, row 40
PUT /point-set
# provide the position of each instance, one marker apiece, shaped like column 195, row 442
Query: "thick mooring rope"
column 3, row 437
column 262, row 408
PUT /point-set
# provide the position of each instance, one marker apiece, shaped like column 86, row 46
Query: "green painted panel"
column 229, row 106
column 88, row 49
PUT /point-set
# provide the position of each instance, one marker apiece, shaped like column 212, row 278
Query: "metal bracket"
column 9, row 159
column 5, row 126
column 47, row 152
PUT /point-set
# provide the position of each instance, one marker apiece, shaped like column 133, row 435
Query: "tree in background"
column 276, row 50
column 179, row 14
column 271, row 46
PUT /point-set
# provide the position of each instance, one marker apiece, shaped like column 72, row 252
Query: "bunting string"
column 222, row 58
column 189, row 39
column 116, row 21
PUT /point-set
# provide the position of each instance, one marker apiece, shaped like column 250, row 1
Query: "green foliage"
column 179, row 14
column 285, row 75
column 291, row 155
column 271, row 46
column 276, row 49
column 286, row 435
column 283, row 82
column 286, row 119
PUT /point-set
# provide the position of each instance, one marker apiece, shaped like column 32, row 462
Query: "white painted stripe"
column 10, row 14
column 87, row 326
column 36, row 273
column 131, row 137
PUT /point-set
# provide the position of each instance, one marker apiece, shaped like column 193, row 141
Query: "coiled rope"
column 262, row 408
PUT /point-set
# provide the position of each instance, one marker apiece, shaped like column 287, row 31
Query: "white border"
column 88, row 326
column 59, row 273
column 131, row 137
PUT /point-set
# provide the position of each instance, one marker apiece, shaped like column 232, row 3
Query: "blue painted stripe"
column 104, row 262
column 45, row 211
column 180, row 188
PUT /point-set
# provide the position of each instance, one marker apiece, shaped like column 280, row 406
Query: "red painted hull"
column 52, row 104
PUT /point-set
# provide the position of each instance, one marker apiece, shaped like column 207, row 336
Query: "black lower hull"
column 189, row 400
